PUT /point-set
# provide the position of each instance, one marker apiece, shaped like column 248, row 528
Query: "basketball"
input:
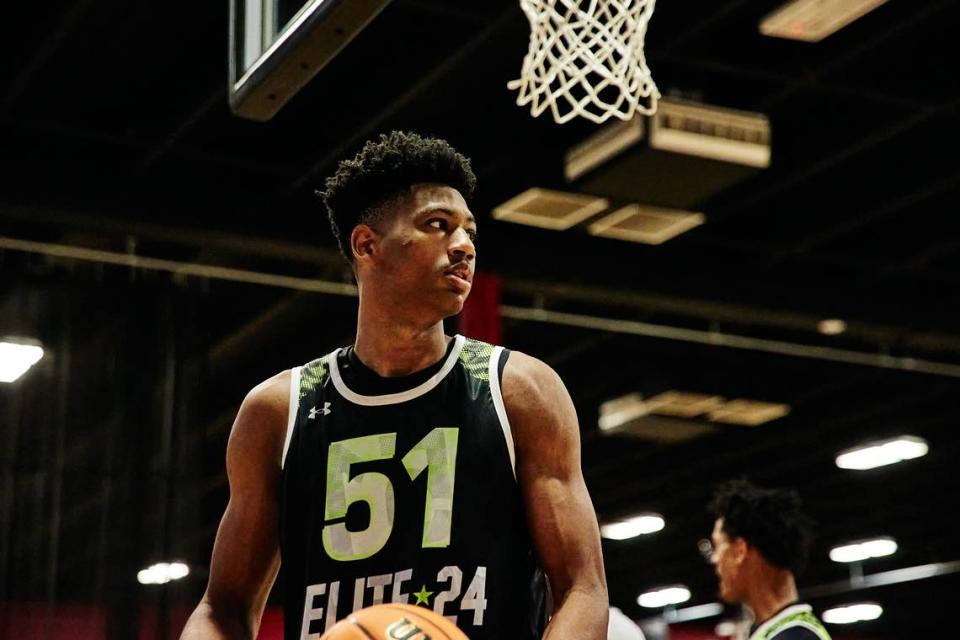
column 394, row 622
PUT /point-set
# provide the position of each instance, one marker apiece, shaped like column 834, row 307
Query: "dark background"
column 115, row 135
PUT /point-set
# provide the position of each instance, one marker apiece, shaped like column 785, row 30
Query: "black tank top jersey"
column 404, row 490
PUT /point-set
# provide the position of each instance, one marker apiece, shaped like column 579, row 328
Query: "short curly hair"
column 383, row 170
column 769, row 519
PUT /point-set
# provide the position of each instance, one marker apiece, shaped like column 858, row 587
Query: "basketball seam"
column 363, row 629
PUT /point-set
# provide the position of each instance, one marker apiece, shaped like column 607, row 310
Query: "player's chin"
column 456, row 305
column 453, row 302
column 459, row 291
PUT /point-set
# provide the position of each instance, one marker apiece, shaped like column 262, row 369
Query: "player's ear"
column 739, row 549
column 363, row 242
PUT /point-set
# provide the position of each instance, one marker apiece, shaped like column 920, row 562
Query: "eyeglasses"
column 705, row 547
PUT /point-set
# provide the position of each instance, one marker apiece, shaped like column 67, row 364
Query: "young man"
column 760, row 541
column 411, row 466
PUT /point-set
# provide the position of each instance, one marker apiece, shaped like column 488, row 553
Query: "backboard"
column 277, row 46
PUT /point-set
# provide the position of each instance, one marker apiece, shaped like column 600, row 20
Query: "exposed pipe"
column 178, row 267
column 716, row 338
column 632, row 327
column 896, row 576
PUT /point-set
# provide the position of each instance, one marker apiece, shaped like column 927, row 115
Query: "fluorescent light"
column 831, row 327
column 162, row 573
column 853, row 613
column 857, row 551
column 814, row 20
column 882, row 453
column 632, row 527
column 664, row 597
column 16, row 359
column 697, row 612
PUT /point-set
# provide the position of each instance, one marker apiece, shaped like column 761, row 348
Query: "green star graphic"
column 423, row 596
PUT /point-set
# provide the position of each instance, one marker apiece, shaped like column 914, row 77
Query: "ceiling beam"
column 47, row 49
column 715, row 66
column 916, row 18
column 915, row 196
column 215, row 99
column 863, row 145
column 701, row 25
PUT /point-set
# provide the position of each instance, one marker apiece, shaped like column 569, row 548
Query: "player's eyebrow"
column 447, row 210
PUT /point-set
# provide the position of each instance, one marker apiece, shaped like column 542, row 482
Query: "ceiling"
column 117, row 137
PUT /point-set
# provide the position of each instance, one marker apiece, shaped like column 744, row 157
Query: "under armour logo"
column 403, row 629
column 325, row 411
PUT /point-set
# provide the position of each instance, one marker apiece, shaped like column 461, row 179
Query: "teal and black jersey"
column 408, row 496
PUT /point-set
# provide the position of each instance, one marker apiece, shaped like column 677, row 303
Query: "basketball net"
column 586, row 59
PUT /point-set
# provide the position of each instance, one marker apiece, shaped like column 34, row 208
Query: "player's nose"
column 461, row 246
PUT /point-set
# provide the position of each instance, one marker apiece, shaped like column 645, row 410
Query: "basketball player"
column 411, row 466
column 760, row 541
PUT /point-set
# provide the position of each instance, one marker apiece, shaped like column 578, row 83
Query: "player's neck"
column 391, row 347
column 774, row 590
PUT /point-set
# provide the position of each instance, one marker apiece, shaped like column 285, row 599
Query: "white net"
column 586, row 59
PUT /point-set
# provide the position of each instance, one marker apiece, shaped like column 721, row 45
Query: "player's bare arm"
column 246, row 554
column 560, row 513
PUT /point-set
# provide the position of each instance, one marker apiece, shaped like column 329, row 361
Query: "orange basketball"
column 394, row 622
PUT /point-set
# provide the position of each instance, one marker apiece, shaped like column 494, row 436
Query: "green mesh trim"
column 312, row 375
column 802, row 618
column 475, row 358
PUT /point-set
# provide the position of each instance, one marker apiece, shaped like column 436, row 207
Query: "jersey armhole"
column 496, row 375
column 292, row 410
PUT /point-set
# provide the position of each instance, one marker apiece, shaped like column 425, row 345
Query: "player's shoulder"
column 529, row 373
column 271, row 395
column 531, row 384
column 257, row 436
column 796, row 633
column 541, row 413
column 263, row 413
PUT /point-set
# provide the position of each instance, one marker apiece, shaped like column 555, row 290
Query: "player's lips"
column 460, row 274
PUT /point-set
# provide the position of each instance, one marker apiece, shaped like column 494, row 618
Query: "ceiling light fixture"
column 831, row 327
column 16, row 358
column 645, row 224
column 683, row 404
column 638, row 525
column 860, row 612
column 664, row 597
column 814, row 20
column 549, row 209
column 879, row 454
column 696, row 612
column 163, row 572
column 858, row 551
column 750, row 413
